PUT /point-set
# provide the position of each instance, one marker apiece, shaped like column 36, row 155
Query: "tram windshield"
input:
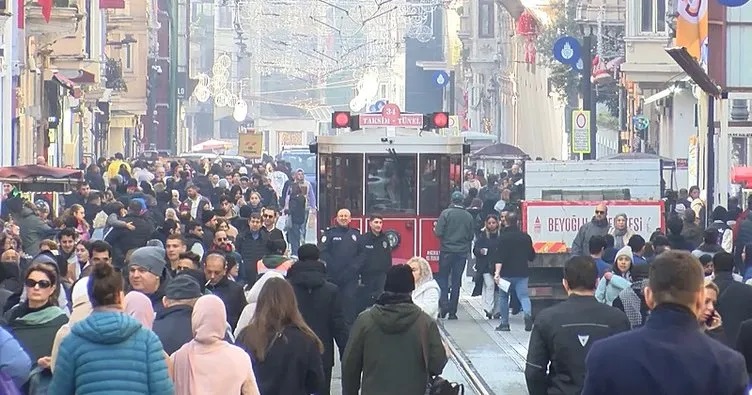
column 391, row 186
column 341, row 184
column 440, row 176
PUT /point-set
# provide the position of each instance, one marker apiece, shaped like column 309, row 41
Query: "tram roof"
column 404, row 141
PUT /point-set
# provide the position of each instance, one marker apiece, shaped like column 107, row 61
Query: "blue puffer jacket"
column 111, row 353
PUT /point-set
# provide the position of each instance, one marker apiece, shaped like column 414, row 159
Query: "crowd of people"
column 176, row 278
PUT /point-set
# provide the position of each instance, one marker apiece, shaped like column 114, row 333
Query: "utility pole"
column 586, row 86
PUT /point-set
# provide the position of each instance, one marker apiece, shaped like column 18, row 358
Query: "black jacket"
column 342, row 253
column 233, row 296
column 489, row 241
column 292, row 365
column 514, row 251
column 123, row 240
column 173, row 327
column 318, row 302
column 297, row 209
column 251, row 250
column 274, row 233
column 377, row 253
column 744, row 343
column 563, row 335
column 733, row 304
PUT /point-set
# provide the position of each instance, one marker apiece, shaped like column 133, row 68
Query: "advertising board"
column 554, row 225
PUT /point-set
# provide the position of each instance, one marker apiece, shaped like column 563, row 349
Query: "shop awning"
column 68, row 84
column 741, row 175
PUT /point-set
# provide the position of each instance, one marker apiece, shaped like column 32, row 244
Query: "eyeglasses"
column 43, row 284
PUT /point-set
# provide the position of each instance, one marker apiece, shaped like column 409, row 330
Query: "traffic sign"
column 580, row 132
column 640, row 122
column 567, row 50
column 579, row 65
column 441, row 78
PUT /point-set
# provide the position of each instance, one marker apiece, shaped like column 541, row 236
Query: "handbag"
column 7, row 385
column 436, row 385
column 39, row 381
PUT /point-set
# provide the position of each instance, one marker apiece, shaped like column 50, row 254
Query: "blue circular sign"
column 440, row 78
column 579, row 66
column 733, row 3
column 379, row 105
column 567, row 50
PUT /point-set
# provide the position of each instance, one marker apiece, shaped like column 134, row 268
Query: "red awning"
column 111, row 4
column 68, row 84
column 35, row 171
column 83, row 77
column 741, row 175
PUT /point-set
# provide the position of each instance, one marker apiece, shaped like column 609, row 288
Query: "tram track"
column 475, row 382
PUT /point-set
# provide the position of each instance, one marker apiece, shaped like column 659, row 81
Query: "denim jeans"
column 490, row 294
column 294, row 235
column 747, row 273
column 451, row 268
column 519, row 285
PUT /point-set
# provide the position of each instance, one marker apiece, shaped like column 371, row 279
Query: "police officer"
column 342, row 252
column 377, row 260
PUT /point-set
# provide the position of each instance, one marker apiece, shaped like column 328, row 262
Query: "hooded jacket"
column 33, row 230
column 397, row 331
column 318, row 302
column 252, row 298
column 85, row 361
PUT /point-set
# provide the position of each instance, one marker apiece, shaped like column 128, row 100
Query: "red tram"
column 405, row 176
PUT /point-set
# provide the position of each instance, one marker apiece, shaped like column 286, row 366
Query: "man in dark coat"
column 231, row 293
column 669, row 355
column 563, row 334
column 173, row 324
column 318, row 302
column 252, row 247
column 123, row 240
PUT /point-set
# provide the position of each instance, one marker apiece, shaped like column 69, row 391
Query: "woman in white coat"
column 426, row 293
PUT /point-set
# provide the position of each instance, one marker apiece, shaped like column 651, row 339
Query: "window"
column 652, row 16
column 341, row 185
column 440, row 176
column 391, row 186
column 224, row 17
column 486, row 18
column 128, row 63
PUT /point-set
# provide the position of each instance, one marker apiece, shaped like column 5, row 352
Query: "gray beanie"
column 150, row 258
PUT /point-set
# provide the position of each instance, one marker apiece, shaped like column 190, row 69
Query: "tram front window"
column 390, row 188
column 440, row 176
column 341, row 179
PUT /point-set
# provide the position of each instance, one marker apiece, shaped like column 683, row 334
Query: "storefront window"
column 341, row 179
column 391, row 186
column 440, row 176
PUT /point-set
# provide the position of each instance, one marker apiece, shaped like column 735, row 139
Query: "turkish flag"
column 46, row 9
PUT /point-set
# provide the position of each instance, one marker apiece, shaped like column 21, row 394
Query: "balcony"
column 64, row 21
column 113, row 75
column 611, row 12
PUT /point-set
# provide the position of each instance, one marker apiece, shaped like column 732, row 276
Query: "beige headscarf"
column 208, row 364
column 81, row 310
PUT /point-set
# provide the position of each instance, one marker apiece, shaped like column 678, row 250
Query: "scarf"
column 197, row 362
column 632, row 303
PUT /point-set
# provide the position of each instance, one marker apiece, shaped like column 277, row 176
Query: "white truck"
column 560, row 197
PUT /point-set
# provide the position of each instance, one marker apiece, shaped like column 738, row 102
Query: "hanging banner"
column 692, row 26
column 251, row 145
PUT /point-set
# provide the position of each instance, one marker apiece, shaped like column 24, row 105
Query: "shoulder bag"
column 435, row 384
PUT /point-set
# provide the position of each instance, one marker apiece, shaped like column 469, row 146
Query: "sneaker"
column 497, row 316
column 488, row 315
column 503, row 328
column 443, row 314
column 452, row 316
column 528, row 323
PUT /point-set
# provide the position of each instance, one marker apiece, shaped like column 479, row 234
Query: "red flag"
column 46, row 9
column 21, row 14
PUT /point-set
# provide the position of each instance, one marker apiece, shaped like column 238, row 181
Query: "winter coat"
column 252, row 298
column 36, row 330
column 398, row 331
column 14, row 362
column 608, row 290
column 426, row 296
column 318, row 302
column 173, row 327
column 581, row 243
column 85, row 361
column 233, row 297
column 33, row 230
column 456, row 229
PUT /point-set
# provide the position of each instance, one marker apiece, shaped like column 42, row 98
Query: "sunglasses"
column 43, row 284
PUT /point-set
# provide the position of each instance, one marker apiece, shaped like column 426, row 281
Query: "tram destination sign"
column 379, row 120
